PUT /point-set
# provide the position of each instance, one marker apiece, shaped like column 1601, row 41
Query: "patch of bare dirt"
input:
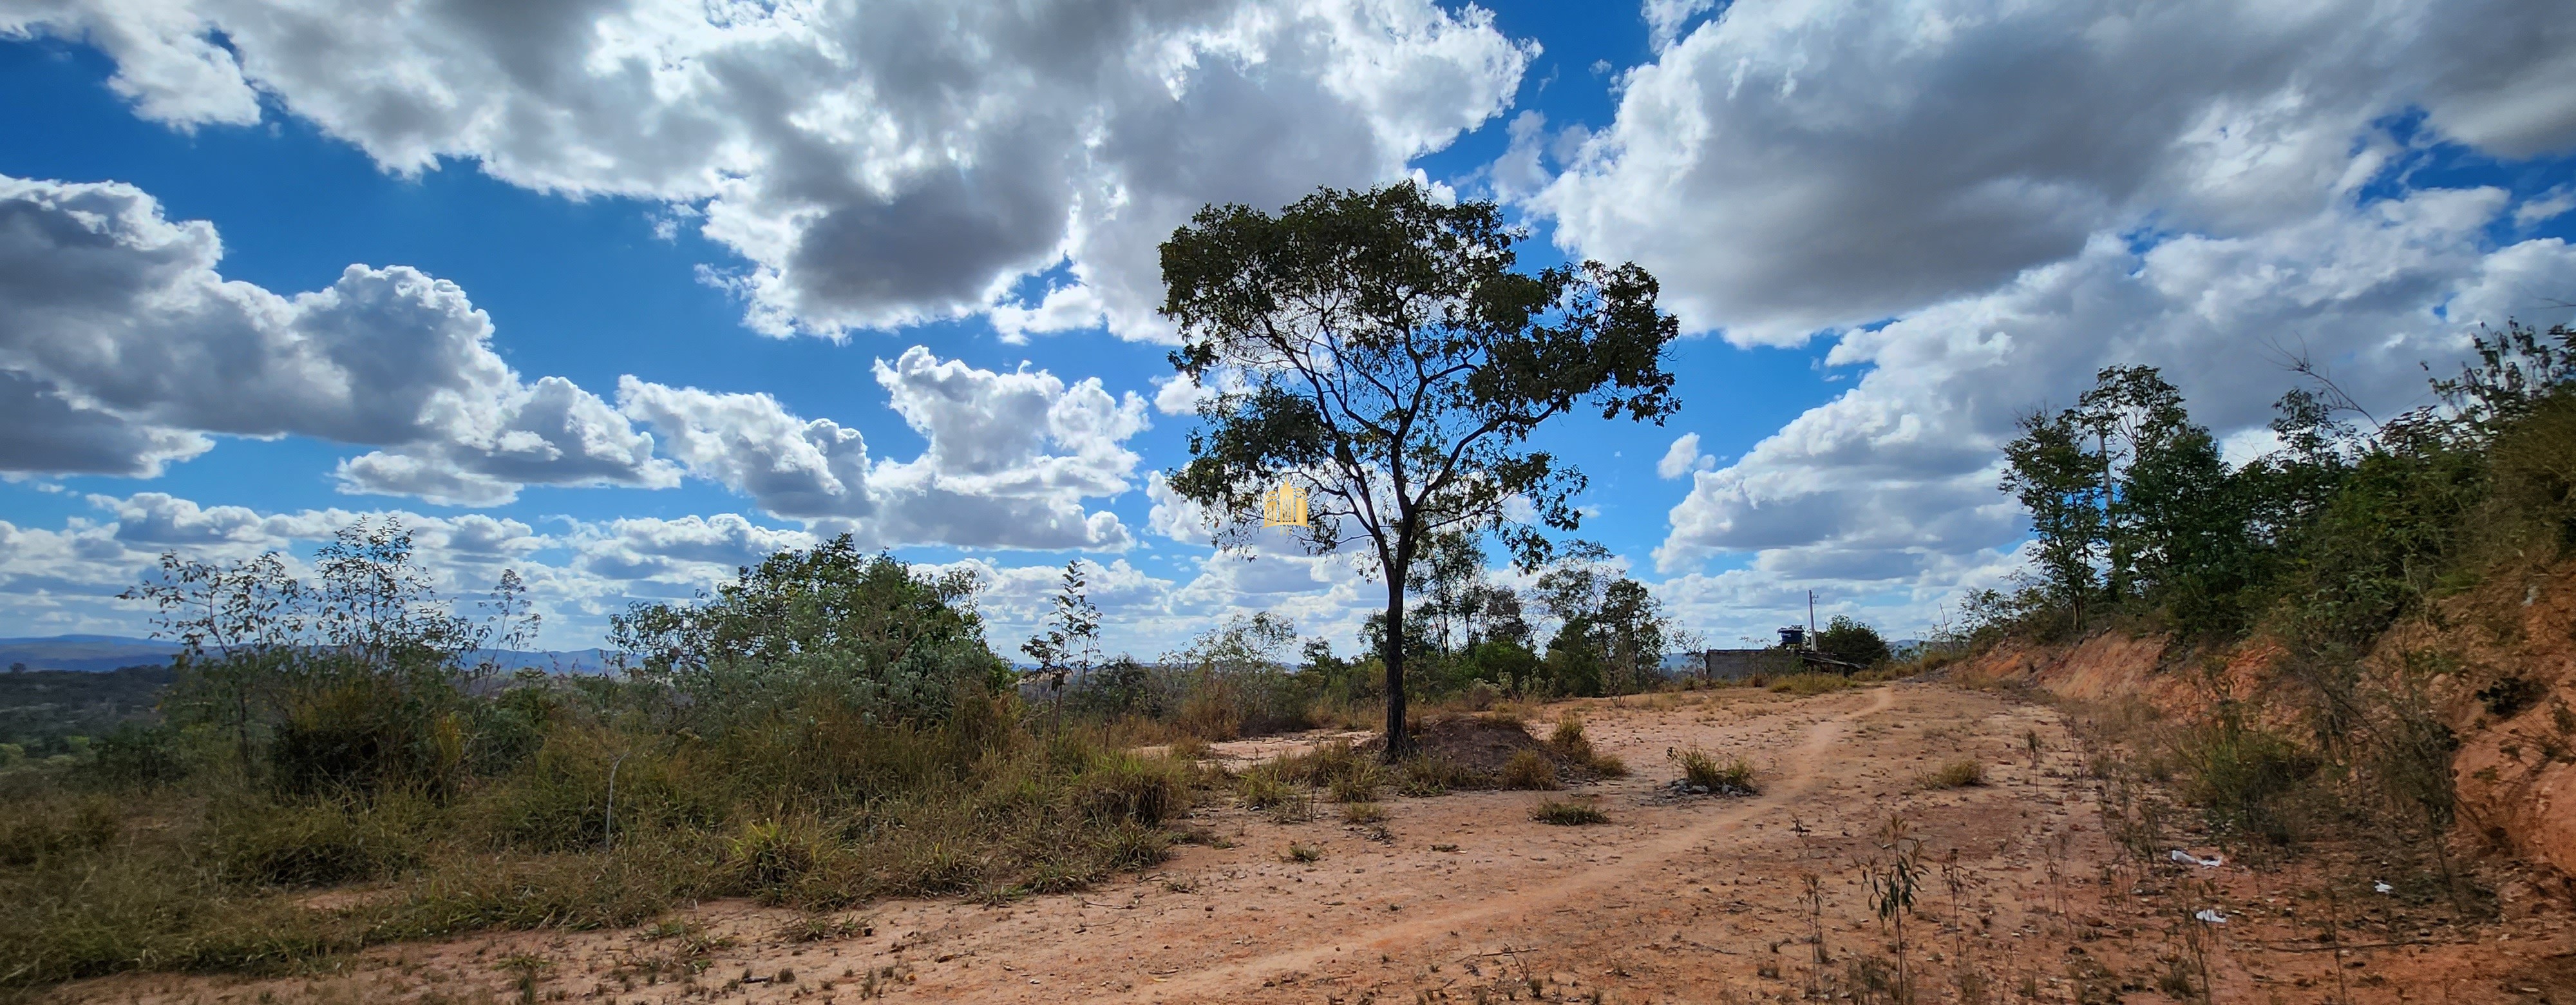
column 1766, row 898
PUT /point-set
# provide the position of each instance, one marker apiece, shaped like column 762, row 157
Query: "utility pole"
column 1811, row 615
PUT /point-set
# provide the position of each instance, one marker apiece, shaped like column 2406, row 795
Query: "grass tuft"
column 1568, row 813
column 1731, row 777
column 1966, row 772
column 1529, row 769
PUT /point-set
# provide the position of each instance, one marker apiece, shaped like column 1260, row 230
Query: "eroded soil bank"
column 1464, row 897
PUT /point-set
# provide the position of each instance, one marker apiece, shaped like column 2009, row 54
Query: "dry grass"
column 1730, row 777
column 1363, row 813
column 1966, row 772
column 1568, row 812
column 1807, row 684
column 1530, row 769
column 1569, row 741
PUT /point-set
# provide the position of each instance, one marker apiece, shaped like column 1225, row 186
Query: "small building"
column 1738, row 664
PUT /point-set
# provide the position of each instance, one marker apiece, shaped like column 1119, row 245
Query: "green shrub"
column 2241, row 774
column 137, row 755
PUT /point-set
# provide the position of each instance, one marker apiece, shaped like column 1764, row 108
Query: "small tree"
column 2130, row 501
column 1394, row 366
column 1848, row 639
column 831, row 621
column 1070, row 642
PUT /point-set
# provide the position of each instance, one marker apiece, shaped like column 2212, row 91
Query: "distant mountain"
column 95, row 653
column 550, row 660
column 83, row 652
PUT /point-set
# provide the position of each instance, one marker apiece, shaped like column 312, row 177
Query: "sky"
column 625, row 294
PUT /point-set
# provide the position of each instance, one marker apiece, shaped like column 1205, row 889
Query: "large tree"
column 1381, row 351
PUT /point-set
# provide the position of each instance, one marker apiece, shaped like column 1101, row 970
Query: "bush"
column 1120, row 787
column 1959, row 774
column 1529, row 769
column 769, row 853
column 1568, row 741
column 1852, row 642
column 137, row 755
column 1568, row 813
column 1266, row 787
column 2240, row 774
column 1728, row 778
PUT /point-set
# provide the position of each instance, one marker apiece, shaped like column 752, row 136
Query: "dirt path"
column 1466, row 898
column 1432, row 927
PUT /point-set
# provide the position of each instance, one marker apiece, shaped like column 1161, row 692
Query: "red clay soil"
column 1466, row 898
column 2513, row 635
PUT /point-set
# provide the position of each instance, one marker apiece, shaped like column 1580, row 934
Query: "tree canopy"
column 1381, row 351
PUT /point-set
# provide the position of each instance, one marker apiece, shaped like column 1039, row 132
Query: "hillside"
column 40, row 710
column 2496, row 665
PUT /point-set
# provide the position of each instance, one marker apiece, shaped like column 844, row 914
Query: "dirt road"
column 1466, row 898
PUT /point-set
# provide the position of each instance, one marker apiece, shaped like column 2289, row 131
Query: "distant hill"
column 84, row 652
column 41, row 709
column 97, row 653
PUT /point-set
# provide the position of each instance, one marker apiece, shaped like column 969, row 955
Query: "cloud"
column 1791, row 167
column 167, row 61
column 1665, row 19
column 2544, row 207
column 1011, row 456
column 1683, row 457
column 687, row 550
column 64, row 580
column 1907, row 460
column 123, row 347
column 875, row 163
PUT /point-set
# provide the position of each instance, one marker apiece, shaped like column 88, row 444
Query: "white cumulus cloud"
column 122, row 347
column 1011, row 456
column 876, row 163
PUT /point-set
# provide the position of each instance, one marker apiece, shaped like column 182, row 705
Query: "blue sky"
column 1887, row 227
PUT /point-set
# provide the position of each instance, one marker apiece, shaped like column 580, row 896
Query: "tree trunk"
column 1399, row 744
